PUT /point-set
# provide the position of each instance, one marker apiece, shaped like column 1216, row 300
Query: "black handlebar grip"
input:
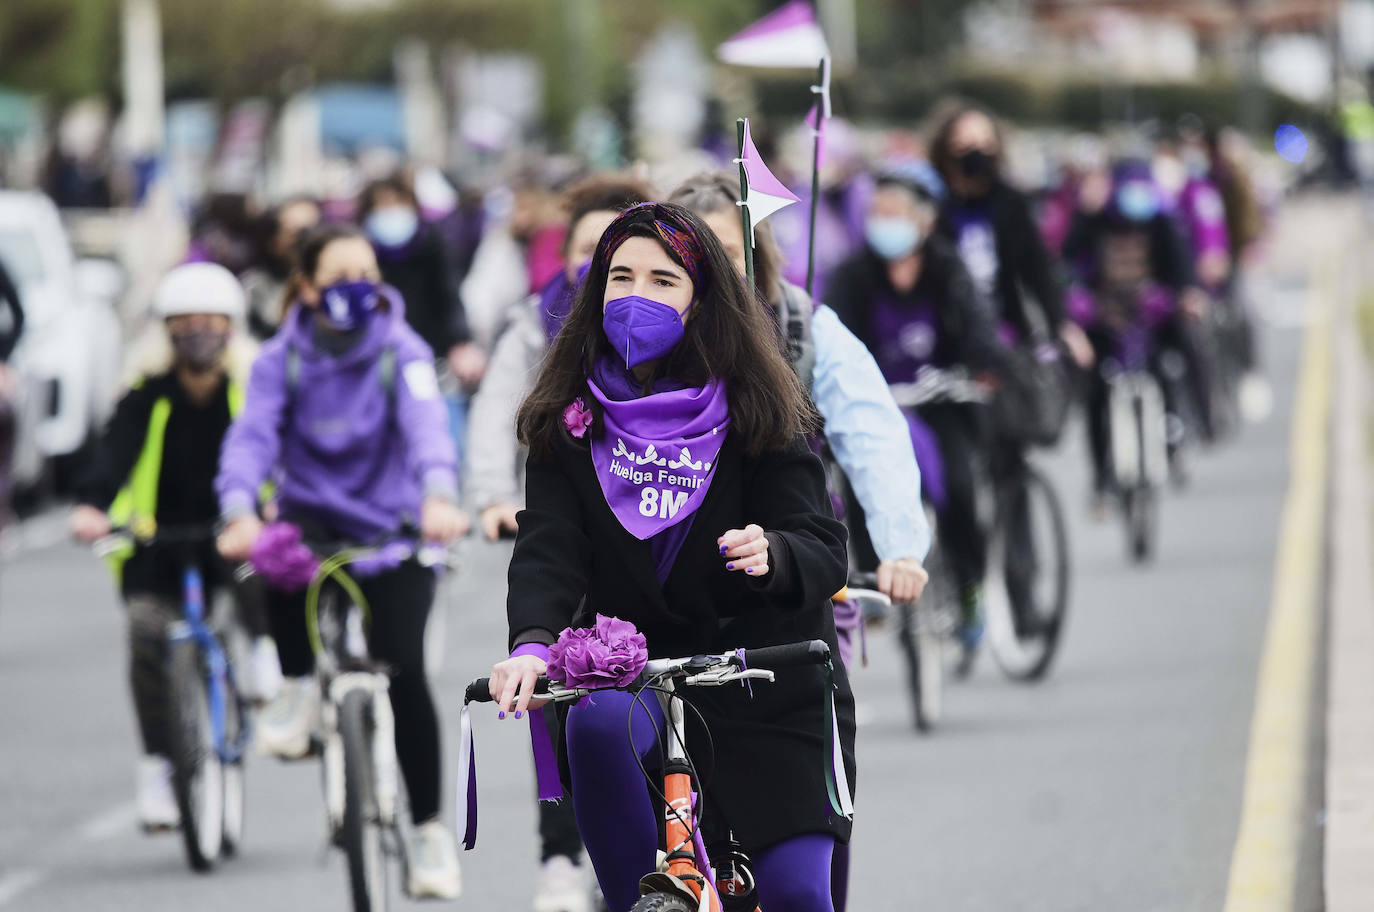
column 479, row 691
column 863, row 580
column 771, row 658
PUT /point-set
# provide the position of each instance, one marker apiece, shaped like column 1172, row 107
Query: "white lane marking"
column 16, row 883
column 105, row 825
column 113, row 822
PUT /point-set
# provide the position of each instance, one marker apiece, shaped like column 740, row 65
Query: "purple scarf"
column 655, row 455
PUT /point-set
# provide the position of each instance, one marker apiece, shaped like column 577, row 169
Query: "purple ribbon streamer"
column 545, row 759
column 467, row 781
column 546, row 776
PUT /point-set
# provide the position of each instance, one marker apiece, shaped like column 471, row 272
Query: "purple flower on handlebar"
column 611, row 654
column 282, row 559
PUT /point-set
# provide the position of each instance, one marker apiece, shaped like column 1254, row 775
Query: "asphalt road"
column 1114, row 785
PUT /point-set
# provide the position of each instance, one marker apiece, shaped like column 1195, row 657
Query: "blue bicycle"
column 207, row 715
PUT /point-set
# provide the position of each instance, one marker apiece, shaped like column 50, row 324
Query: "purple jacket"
column 345, row 451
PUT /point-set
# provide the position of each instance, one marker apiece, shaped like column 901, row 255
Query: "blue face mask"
column 892, row 238
column 392, row 226
column 348, row 305
column 1137, row 201
column 641, row 330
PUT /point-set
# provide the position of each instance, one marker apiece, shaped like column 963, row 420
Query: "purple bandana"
column 655, row 453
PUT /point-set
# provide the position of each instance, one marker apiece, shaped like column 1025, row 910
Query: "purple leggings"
column 618, row 817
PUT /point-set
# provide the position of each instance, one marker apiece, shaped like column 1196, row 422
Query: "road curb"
column 1265, row 864
column 1349, row 848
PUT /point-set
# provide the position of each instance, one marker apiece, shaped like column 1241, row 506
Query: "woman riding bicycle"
column 1134, row 274
column 734, row 545
column 862, row 424
column 344, row 411
column 156, row 468
column 910, row 299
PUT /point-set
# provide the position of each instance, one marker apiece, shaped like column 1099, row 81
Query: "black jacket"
column 185, row 491
column 1024, row 264
column 1170, row 263
column 429, row 286
column 965, row 336
column 573, row 559
column 9, row 297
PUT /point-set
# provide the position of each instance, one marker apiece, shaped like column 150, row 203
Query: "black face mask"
column 200, row 349
column 976, row 164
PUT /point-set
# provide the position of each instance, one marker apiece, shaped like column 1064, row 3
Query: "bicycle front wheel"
column 361, row 835
column 1028, row 584
column 663, row 902
column 197, row 774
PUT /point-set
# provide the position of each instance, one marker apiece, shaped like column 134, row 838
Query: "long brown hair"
column 713, row 191
column 309, row 248
column 729, row 338
column 946, row 117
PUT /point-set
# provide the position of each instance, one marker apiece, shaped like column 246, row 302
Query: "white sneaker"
column 434, row 870
column 1256, row 398
column 284, row 727
column 562, row 887
column 262, row 680
column 155, row 801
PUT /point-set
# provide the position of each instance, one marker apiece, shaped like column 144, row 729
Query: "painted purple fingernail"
column 729, row 566
column 517, row 714
column 723, row 549
column 501, row 715
column 748, row 569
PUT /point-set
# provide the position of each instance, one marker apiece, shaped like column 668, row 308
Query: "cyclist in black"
column 909, row 298
column 991, row 225
column 157, row 465
column 11, row 327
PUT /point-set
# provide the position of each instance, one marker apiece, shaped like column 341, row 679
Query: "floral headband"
column 675, row 234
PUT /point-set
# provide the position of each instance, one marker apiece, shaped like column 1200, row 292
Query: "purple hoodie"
column 339, row 456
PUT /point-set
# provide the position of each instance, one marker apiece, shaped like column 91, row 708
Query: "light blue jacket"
column 868, row 435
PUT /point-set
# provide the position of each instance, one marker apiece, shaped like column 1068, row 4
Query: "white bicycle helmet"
column 199, row 288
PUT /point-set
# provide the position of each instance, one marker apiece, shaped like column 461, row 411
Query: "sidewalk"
column 1349, row 845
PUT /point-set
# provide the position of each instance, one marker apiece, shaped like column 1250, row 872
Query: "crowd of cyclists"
column 388, row 366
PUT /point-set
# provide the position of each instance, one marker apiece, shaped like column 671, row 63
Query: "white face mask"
column 892, row 238
column 392, row 226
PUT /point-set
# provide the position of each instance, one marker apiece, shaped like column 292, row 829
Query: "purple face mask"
column 347, row 305
column 641, row 330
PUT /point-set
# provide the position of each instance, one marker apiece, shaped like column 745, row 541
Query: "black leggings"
column 1180, row 334
column 400, row 600
column 961, row 534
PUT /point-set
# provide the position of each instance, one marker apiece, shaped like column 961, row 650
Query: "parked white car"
column 67, row 361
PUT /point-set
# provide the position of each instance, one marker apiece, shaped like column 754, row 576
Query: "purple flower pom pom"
column 282, row 559
column 611, row 654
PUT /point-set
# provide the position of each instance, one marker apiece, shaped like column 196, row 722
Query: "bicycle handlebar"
column 704, row 670
column 792, row 655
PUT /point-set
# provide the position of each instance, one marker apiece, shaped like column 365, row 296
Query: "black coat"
column 1024, row 264
column 429, row 287
column 771, row 749
column 966, row 335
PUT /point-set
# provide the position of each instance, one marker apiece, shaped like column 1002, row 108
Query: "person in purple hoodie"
column 343, row 410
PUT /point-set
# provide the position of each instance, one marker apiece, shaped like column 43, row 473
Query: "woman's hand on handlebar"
column 902, row 580
column 88, row 524
column 238, row 538
column 517, row 675
column 442, row 521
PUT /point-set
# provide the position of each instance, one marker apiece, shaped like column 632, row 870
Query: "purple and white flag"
column 788, row 37
column 765, row 194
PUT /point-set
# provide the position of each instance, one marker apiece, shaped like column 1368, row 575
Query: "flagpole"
column 744, row 210
column 816, row 175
